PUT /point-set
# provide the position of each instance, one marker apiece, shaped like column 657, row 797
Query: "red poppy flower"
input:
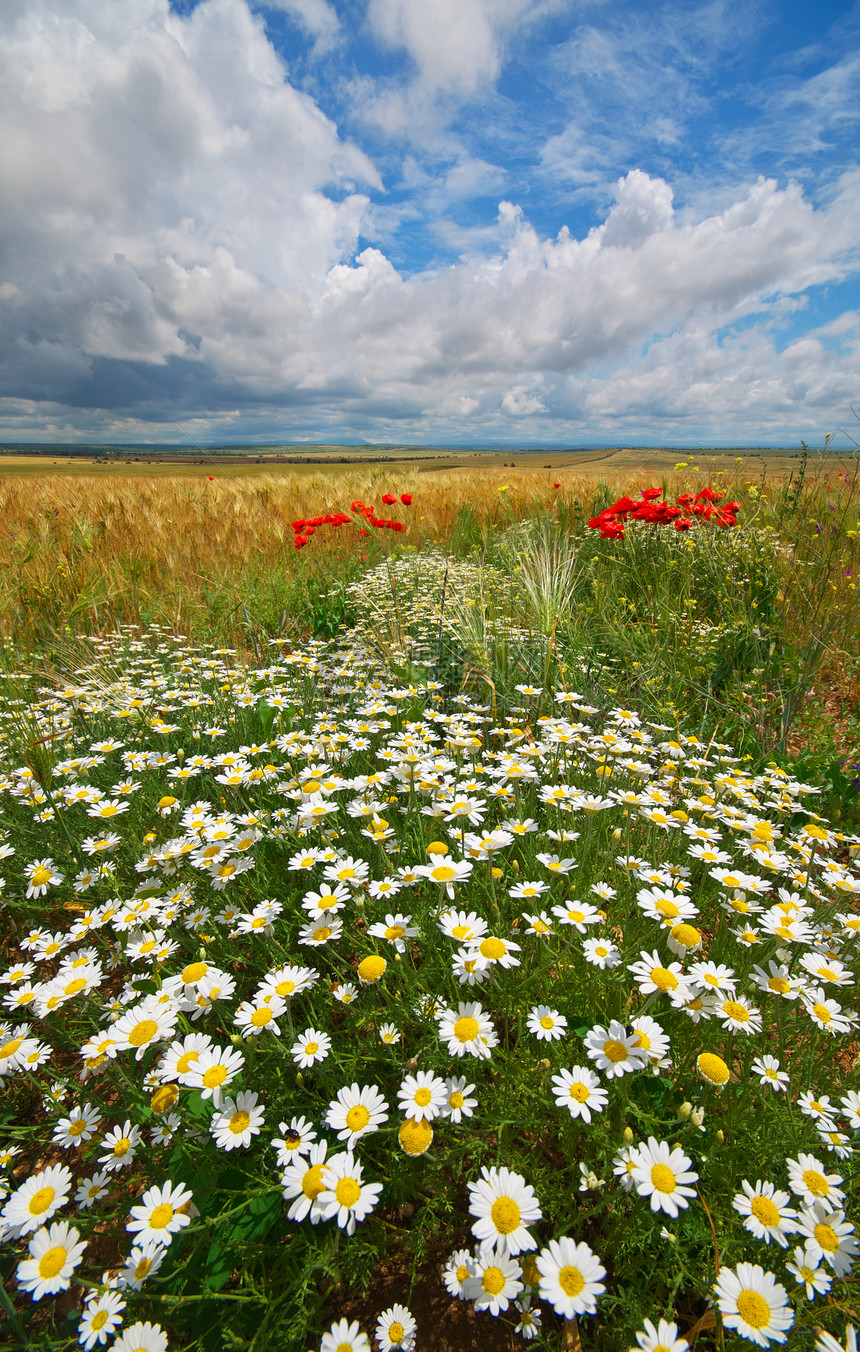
column 682, row 523
column 556, row 485
column 299, row 542
column 406, row 499
column 388, row 498
column 649, row 494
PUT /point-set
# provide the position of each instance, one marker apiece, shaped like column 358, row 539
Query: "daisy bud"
column 697, row 1116
column 545, row 1064
column 627, row 1136
column 684, row 1112
column 617, row 833
column 721, row 1136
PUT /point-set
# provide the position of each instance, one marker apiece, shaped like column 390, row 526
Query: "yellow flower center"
column 357, row 1118
column 371, row 968
column 779, row 984
column 143, row 1032
column 395, row 932
column 140, row 1272
column 78, row 1128
column 41, row 876
column 214, row 1076
column 571, row 1281
column 822, row 1012
column 161, row 1216
column 185, row 1061
column 686, row 935
column 614, row 1050
column 52, row 1262
column 663, row 1178
column 827, row 1238
column 41, row 1200
column 321, row 934
column 493, row 1281
column 753, row 1309
column 663, row 979
column 261, row 1016
column 347, row 1191
column 163, row 1099
column 311, row 1048
column 423, row 1097
column 764, row 1210
column 312, row 1183
column 816, row 1183
column 456, row 1100
column 466, row 1029
column 580, row 1092
column 739, row 1013
column 9, row 1048
column 121, row 1147
column 547, row 1022
column 442, row 873
column 505, row 1215
column 713, row 1068
column 99, row 1320
column 239, row 1122
column 415, row 1137
column 74, row 986
column 666, row 908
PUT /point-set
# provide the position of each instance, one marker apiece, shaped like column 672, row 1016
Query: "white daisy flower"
column 310, row 1046
column 395, row 1330
column 505, row 1205
column 615, row 1051
column 809, row 1180
column 663, row 1175
column 422, row 1096
column 768, row 1070
column 809, row 1272
column 141, row 1337
column 579, row 1090
column 143, row 1261
column 356, row 1112
column 458, row 1104
column 468, row 1030
column 345, row 1196
column 570, row 1277
column 766, row 1214
column 161, row 1213
column 55, row 1251
column 101, row 1318
column 457, row 1271
column 753, row 1303
column 238, row 1122
column 344, row 1336
column 546, row 1024
column 302, row 1183
column 663, row 1338
column 37, row 1199
column 494, row 1281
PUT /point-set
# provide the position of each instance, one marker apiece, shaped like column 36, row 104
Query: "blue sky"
column 493, row 222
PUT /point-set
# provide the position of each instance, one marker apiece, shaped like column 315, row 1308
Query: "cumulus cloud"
column 455, row 45
column 184, row 230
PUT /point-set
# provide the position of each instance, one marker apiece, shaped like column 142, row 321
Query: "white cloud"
column 316, row 17
column 157, row 172
column 180, row 225
column 456, row 45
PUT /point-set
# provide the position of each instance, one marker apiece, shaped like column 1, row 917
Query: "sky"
column 431, row 222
